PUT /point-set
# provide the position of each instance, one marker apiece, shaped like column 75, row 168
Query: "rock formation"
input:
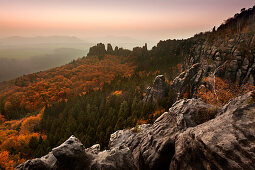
column 98, row 50
column 109, row 49
column 157, row 91
column 188, row 81
column 191, row 135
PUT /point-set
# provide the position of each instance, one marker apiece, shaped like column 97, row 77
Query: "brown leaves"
column 224, row 91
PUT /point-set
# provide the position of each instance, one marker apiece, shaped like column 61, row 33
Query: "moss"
column 136, row 129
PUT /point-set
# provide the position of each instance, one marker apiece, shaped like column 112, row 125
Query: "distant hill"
column 24, row 55
column 15, row 40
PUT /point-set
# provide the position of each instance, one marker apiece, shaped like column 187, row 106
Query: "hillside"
column 106, row 91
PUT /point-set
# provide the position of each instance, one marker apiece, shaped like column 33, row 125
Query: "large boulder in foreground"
column 226, row 142
column 191, row 135
column 69, row 155
column 73, row 155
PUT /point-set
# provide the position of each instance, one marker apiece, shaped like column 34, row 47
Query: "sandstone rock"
column 226, row 142
column 114, row 159
column 153, row 146
column 109, row 49
column 98, row 50
column 95, row 149
column 33, row 164
column 157, row 91
column 188, row 81
column 71, row 155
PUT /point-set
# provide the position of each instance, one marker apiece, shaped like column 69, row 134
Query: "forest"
column 94, row 95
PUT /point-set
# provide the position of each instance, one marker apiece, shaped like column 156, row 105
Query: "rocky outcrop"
column 73, row 155
column 191, row 135
column 69, row 155
column 188, row 81
column 226, row 142
column 153, row 145
column 157, row 91
column 98, row 50
column 109, row 49
column 231, row 58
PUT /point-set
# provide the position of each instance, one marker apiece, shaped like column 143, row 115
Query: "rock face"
column 232, row 58
column 157, row 91
column 226, row 142
column 188, row 81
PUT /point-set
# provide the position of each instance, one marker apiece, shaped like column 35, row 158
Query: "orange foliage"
column 158, row 112
column 179, row 67
column 140, row 122
column 224, row 91
column 117, row 93
column 34, row 91
column 1, row 118
column 15, row 135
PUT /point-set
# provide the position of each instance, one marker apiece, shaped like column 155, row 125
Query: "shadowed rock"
column 188, row 81
column 157, row 91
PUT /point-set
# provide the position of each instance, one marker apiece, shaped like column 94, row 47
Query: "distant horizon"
column 144, row 20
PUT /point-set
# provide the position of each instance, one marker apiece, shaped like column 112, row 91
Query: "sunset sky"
column 138, row 19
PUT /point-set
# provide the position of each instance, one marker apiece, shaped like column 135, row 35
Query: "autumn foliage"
column 15, row 136
column 34, row 91
column 220, row 91
column 31, row 93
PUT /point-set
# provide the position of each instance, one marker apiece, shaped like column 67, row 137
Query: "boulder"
column 226, row 142
column 71, row 155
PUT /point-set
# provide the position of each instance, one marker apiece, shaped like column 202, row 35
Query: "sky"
column 135, row 19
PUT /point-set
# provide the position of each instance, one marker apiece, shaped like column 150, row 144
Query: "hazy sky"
column 139, row 19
